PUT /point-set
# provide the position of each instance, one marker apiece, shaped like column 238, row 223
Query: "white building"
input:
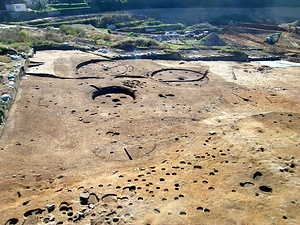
column 16, row 7
column 34, row 3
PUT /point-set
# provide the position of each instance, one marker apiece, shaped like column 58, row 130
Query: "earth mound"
column 213, row 39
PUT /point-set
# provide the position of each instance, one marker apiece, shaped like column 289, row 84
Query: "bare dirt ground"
column 152, row 142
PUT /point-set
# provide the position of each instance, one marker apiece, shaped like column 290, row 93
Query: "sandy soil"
column 180, row 148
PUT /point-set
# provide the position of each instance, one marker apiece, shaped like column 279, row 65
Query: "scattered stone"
column 52, row 218
column 84, row 197
column 212, row 132
column 50, row 207
column 281, row 169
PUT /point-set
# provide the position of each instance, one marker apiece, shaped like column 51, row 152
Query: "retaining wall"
column 12, row 91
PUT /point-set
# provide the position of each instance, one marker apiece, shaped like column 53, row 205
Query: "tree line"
column 114, row 5
column 104, row 5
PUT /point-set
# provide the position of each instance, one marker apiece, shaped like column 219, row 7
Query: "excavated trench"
column 113, row 90
column 107, row 67
column 181, row 75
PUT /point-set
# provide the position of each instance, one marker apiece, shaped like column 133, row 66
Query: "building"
column 16, row 7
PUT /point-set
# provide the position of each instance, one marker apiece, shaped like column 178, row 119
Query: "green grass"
column 231, row 50
column 132, row 34
column 5, row 59
column 177, row 47
column 296, row 23
column 66, row 5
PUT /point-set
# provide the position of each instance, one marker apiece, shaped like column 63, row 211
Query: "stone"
column 84, row 197
column 50, row 207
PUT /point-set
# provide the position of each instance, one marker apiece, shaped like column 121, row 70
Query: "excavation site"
column 92, row 140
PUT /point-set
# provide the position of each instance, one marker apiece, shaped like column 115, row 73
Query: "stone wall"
column 12, row 91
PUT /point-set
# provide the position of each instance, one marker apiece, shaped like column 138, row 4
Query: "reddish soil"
column 173, row 148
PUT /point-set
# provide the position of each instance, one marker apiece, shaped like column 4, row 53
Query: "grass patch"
column 296, row 23
column 231, row 50
column 162, row 27
column 67, row 6
column 132, row 34
column 177, row 47
column 117, row 18
column 170, row 50
column 5, row 59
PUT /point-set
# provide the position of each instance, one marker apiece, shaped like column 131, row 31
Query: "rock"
column 212, row 132
column 52, row 218
column 84, row 197
column 50, row 207
column 93, row 199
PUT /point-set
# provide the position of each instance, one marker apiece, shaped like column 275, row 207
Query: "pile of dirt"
column 213, row 39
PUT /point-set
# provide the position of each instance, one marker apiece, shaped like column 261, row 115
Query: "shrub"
column 132, row 34
column 113, row 18
column 154, row 22
column 5, row 59
column 136, row 42
column 72, row 30
column 12, row 35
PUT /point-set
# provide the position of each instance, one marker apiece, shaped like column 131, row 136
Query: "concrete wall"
column 17, row 16
column 16, row 7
